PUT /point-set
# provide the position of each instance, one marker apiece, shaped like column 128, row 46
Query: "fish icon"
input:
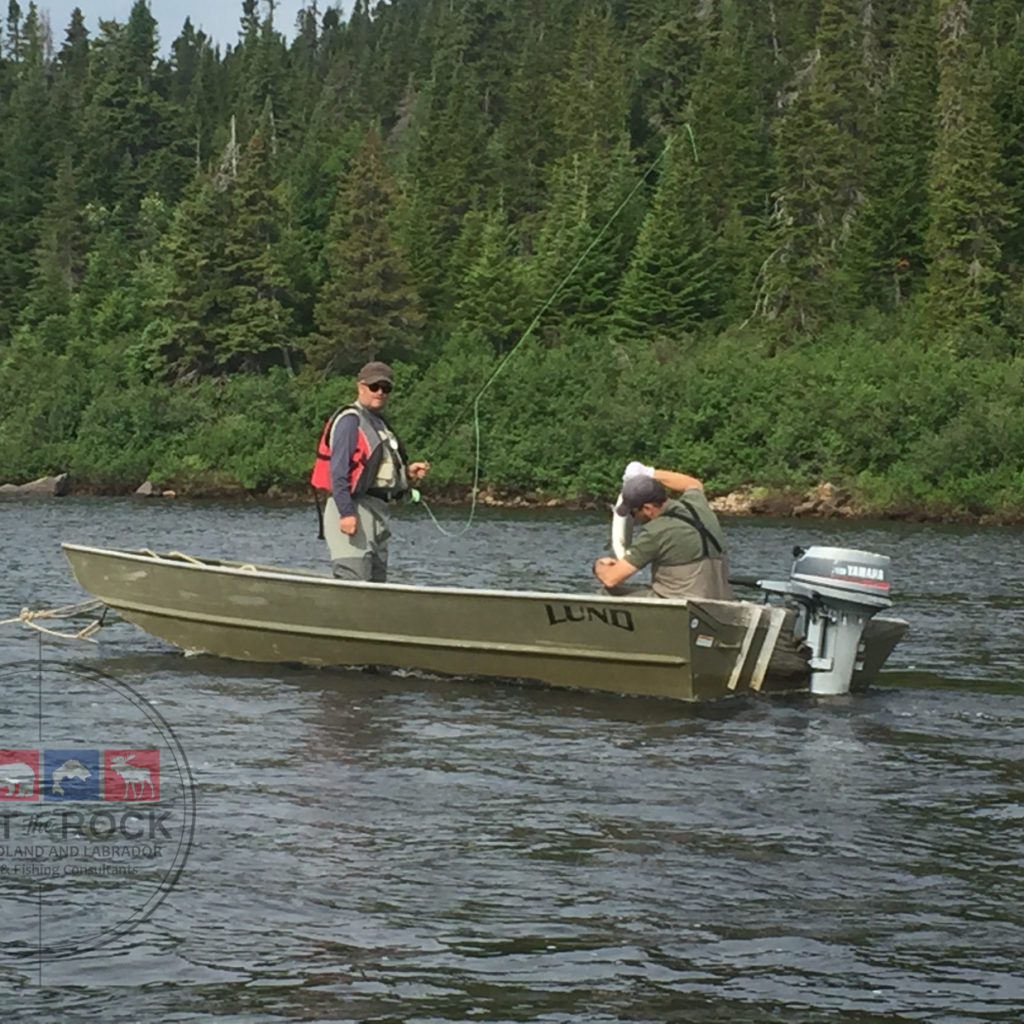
column 69, row 770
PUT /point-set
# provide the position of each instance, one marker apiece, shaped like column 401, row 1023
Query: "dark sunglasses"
column 381, row 386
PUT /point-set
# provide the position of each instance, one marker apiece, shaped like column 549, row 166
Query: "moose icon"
column 137, row 778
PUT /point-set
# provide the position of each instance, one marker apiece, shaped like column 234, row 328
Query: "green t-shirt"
column 671, row 541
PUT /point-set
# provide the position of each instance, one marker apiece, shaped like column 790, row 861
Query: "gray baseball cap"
column 637, row 491
column 376, row 373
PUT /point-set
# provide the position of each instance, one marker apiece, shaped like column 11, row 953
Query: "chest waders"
column 710, row 546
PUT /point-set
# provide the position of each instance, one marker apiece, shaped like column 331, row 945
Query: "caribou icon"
column 136, row 777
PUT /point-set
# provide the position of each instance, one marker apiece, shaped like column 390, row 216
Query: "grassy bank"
column 899, row 427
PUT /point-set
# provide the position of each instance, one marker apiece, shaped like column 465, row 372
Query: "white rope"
column 28, row 617
column 182, row 556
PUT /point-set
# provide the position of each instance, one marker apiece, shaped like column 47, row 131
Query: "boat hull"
column 689, row 650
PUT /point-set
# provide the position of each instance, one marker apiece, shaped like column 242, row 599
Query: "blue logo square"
column 71, row 775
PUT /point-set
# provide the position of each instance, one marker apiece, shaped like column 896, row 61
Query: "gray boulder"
column 50, row 486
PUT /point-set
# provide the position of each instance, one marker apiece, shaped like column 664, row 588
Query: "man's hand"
column 612, row 571
column 418, row 470
column 348, row 525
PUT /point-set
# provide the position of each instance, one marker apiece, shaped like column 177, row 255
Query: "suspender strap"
column 709, row 542
column 319, row 512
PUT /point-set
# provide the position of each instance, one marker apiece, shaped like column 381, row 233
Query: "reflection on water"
column 399, row 847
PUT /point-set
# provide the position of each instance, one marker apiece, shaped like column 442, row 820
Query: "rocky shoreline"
column 824, row 501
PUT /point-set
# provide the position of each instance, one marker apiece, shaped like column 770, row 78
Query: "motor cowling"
column 845, row 574
column 835, row 592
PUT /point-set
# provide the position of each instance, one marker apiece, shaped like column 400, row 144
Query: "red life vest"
column 320, row 477
column 368, row 441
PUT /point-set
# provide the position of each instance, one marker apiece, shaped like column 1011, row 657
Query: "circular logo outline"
column 44, row 953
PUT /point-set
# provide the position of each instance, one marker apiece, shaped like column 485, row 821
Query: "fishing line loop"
column 475, row 403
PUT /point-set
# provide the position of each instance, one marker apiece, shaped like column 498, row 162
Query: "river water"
column 373, row 847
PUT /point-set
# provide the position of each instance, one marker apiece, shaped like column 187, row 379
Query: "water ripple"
column 375, row 847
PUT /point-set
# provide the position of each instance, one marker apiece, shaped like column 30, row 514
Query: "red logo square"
column 19, row 774
column 131, row 775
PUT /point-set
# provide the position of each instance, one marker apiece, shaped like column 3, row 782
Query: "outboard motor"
column 836, row 591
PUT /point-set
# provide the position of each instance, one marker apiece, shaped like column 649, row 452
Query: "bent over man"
column 680, row 539
column 362, row 463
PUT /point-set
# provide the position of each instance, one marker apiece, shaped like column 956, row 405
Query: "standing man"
column 364, row 466
column 681, row 539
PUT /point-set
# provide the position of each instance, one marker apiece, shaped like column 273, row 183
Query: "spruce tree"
column 13, row 43
column 368, row 306
column 969, row 204
column 444, row 175
column 60, row 255
column 225, row 305
column 72, row 62
column 886, row 256
column 492, row 305
column 27, row 161
column 257, row 330
column 197, row 92
column 183, row 340
column 672, row 282
column 727, row 124
column 822, row 156
column 525, row 144
column 592, row 102
column 133, row 147
column 1004, row 40
column 580, row 249
column 669, row 53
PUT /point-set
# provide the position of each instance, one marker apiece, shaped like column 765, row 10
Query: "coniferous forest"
column 770, row 243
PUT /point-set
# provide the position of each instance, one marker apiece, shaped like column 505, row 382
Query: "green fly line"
column 475, row 404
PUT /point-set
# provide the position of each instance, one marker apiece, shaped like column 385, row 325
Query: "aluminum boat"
column 816, row 632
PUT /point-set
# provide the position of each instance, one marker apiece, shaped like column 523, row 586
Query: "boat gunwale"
column 233, row 568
